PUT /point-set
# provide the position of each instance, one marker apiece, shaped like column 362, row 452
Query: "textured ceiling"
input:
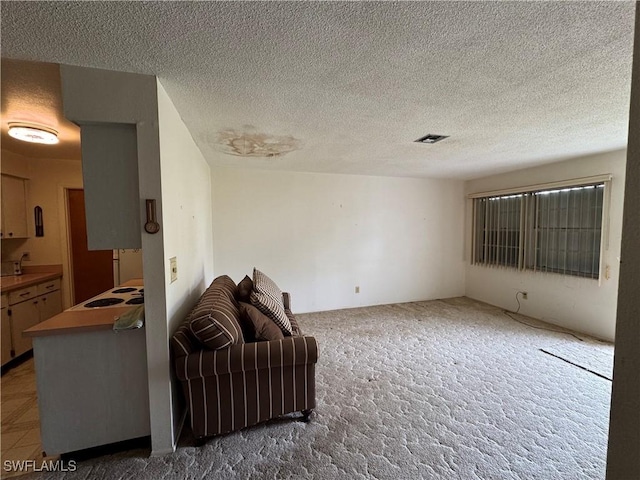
column 347, row 87
column 31, row 93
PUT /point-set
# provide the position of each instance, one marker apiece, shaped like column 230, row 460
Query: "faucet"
column 17, row 266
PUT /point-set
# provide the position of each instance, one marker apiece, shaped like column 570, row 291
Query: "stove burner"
column 135, row 301
column 103, row 302
column 124, row 290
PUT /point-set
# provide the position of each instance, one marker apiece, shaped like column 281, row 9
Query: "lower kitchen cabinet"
column 5, row 333
column 25, row 308
column 23, row 315
column 49, row 305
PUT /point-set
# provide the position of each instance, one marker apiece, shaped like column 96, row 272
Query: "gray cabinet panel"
column 111, row 192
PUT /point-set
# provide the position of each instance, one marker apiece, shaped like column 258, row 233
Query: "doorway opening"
column 91, row 270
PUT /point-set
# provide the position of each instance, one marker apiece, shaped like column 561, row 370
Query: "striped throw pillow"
column 215, row 319
column 267, row 297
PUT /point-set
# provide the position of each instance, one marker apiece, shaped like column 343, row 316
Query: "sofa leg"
column 200, row 441
column 306, row 415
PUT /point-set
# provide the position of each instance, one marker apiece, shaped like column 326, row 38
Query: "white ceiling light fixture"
column 33, row 133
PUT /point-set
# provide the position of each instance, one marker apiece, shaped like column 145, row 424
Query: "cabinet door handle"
column 50, row 286
column 25, row 294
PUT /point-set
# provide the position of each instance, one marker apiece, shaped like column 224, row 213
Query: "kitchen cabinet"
column 49, row 305
column 14, row 208
column 23, row 315
column 5, row 333
column 110, row 182
column 25, row 308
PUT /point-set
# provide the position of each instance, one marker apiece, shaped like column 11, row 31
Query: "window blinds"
column 555, row 230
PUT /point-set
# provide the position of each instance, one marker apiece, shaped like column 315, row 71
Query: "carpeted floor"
column 438, row 390
column 595, row 357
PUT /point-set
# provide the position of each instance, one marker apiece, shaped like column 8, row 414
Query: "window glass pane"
column 497, row 235
column 569, row 229
column 561, row 230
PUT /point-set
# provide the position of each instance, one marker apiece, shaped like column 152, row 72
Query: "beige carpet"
column 595, row 357
column 449, row 389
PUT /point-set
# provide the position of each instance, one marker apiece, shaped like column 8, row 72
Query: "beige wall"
column 47, row 179
column 623, row 459
column 581, row 304
column 186, row 222
column 132, row 99
column 172, row 172
column 321, row 235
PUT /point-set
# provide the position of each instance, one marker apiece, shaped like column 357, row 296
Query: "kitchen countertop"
column 32, row 276
column 76, row 321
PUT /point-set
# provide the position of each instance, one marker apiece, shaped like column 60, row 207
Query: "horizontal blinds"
column 574, row 182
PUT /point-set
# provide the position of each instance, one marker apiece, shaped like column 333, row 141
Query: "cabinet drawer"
column 50, row 286
column 22, row 295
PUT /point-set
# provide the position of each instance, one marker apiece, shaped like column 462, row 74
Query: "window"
column 554, row 229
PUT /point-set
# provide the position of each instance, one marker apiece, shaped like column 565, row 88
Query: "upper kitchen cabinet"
column 14, row 208
column 111, row 192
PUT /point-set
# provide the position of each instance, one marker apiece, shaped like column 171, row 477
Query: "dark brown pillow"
column 244, row 289
column 263, row 327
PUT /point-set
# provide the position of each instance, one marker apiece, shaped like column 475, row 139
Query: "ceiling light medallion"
column 33, row 133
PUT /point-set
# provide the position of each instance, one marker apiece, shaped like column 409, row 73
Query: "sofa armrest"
column 247, row 356
column 286, row 299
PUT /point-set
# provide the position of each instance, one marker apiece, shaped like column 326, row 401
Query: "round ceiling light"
column 33, row 133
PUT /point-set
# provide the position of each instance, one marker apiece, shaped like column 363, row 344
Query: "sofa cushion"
column 262, row 327
column 214, row 321
column 267, row 297
column 244, row 289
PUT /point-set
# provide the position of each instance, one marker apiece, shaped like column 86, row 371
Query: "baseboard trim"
column 176, row 438
column 161, row 453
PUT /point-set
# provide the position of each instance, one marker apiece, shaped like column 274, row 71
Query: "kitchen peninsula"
column 91, row 380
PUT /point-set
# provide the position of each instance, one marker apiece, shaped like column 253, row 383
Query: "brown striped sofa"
column 241, row 384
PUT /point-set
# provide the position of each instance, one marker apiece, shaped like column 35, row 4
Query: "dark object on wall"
column 39, row 223
column 152, row 226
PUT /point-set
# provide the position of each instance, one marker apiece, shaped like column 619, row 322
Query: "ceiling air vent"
column 431, row 138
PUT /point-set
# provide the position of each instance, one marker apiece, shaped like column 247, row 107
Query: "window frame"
column 523, row 262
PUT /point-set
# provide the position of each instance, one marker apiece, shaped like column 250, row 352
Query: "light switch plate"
column 173, row 265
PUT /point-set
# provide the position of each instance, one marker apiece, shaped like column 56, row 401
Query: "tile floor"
column 20, row 438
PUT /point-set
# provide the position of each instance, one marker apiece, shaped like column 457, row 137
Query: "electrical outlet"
column 357, row 289
column 525, row 295
column 173, row 265
column 26, row 256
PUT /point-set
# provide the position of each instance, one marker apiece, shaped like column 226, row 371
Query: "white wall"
column 320, row 235
column 576, row 303
column 623, row 460
column 186, row 219
column 45, row 188
column 132, row 99
column 173, row 172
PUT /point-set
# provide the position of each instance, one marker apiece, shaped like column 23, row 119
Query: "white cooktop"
column 116, row 297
